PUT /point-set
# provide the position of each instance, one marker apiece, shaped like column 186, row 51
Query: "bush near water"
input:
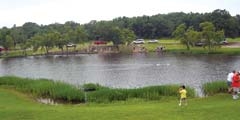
column 43, row 88
column 215, row 87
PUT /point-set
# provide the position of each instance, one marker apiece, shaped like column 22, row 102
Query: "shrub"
column 215, row 87
column 93, row 87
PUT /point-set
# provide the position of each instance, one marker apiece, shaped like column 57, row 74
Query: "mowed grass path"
column 18, row 106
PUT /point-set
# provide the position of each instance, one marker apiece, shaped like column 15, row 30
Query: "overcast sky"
column 83, row 11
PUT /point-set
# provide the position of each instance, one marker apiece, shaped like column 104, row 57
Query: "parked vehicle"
column 200, row 44
column 224, row 42
column 71, row 45
column 138, row 41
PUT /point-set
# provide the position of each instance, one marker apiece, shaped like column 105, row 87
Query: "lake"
column 124, row 71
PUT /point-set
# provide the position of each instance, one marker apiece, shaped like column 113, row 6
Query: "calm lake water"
column 124, row 71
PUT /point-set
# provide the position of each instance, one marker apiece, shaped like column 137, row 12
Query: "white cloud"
column 82, row 11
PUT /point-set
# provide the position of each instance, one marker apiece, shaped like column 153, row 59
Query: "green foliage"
column 187, row 37
column 127, row 36
column 192, row 36
column 223, row 20
column 44, row 88
column 146, row 93
column 180, row 31
column 29, row 29
column 36, row 42
column 9, row 42
column 208, row 36
column 215, row 87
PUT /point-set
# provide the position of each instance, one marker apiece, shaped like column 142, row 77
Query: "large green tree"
column 180, row 34
column 49, row 40
column 210, row 36
column 127, row 36
column 3, row 33
column 36, row 42
column 192, row 36
column 30, row 29
column 9, row 43
column 208, row 33
column 61, row 41
column 17, row 35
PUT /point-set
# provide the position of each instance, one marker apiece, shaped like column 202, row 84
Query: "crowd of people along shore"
column 233, row 82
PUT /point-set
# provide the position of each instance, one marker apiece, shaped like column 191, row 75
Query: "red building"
column 2, row 49
column 100, row 42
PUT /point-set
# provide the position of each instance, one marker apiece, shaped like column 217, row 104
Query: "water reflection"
column 124, row 71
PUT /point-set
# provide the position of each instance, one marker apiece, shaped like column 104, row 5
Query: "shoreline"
column 179, row 51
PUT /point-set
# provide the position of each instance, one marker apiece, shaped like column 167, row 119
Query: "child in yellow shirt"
column 183, row 95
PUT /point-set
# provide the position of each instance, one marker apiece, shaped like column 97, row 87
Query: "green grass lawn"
column 18, row 106
column 174, row 46
column 233, row 39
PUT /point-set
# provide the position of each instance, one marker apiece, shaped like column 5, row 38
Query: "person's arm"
column 180, row 90
column 238, row 78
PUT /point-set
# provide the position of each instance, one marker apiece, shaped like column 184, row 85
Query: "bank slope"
column 17, row 106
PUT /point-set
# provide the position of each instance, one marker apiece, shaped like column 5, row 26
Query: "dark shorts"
column 229, row 83
column 183, row 99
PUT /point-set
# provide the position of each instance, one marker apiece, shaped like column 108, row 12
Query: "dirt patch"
column 233, row 45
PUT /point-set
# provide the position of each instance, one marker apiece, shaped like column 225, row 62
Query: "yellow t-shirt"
column 183, row 93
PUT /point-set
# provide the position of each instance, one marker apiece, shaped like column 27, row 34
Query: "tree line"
column 119, row 30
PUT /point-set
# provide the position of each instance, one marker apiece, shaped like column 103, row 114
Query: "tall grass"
column 146, row 93
column 215, row 87
column 125, row 49
column 95, row 93
column 44, row 88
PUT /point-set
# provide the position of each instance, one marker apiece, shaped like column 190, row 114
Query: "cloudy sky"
column 83, row 11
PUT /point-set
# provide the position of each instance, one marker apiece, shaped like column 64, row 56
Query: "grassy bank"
column 57, row 91
column 18, row 106
column 148, row 103
column 174, row 46
column 43, row 88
